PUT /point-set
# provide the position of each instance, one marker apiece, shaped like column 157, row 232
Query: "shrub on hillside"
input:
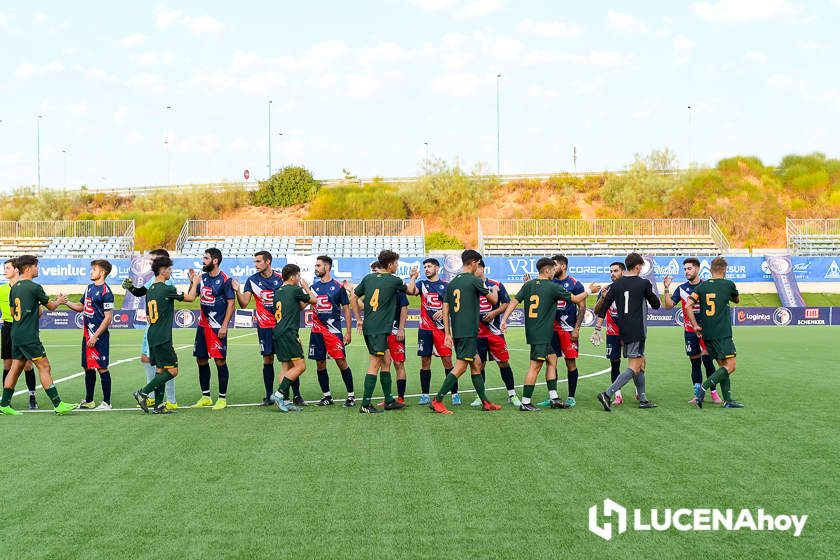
column 374, row 200
column 289, row 186
column 448, row 192
column 441, row 240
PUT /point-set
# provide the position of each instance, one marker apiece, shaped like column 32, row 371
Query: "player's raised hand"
column 193, row 276
column 595, row 339
column 234, row 283
column 304, row 284
column 526, row 277
column 127, row 284
column 415, row 272
column 594, row 288
column 667, row 281
column 61, row 299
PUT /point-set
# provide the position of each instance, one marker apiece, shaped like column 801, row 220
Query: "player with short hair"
column 217, row 301
column 261, row 286
column 461, row 316
column 632, row 294
column 169, row 387
column 695, row 347
column 567, row 322
column 491, row 340
column 11, row 274
column 540, row 296
column 396, row 343
column 97, row 307
column 380, row 293
column 25, row 301
column 430, row 332
column 613, row 339
column 326, row 338
column 715, row 326
column 160, row 309
column 288, row 298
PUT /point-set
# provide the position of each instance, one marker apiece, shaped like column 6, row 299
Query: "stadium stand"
column 67, row 239
column 815, row 236
column 601, row 237
column 337, row 238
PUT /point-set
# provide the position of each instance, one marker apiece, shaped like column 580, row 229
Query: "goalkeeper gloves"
column 127, row 284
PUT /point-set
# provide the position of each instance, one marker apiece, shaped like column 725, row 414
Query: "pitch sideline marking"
column 242, row 405
column 118, row 362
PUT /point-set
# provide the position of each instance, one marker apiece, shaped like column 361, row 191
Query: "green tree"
column 291, row 185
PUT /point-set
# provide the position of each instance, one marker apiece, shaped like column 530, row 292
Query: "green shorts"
column 720, row 348
column 540, row 352
column 28, row 351
column 287, row 346
column 163, row 356
column 377, row 344
column 466, row 348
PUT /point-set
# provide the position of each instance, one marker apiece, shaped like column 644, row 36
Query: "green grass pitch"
column 255, row 483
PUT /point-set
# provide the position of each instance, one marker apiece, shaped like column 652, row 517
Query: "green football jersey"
column 462, row 295
column 25, row 299
column 160, row 308
column 540, row 298
column 715, row 315
column 287, row 300
column 380, row 292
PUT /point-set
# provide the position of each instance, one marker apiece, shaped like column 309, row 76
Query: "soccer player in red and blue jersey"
column 695, row 347
column 217, row 298
column 430, row 334
column 326, row 338
column 567, row 323
column 261, row 286
column 97, row 307
column 491, row 340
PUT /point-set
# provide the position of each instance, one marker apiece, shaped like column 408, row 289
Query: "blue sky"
column 362, row 85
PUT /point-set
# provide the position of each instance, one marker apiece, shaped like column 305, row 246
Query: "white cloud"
column 478, row 8
column 641, row 115
column 744, row 11
column 134, row 138
column 541, row 92
column 504, row 47
column 755, row 56
column 39, row 18
column 599, row 59
column 120, row 115
column 783, row 81
column 457, row 85
column 625, row 22
column 199, row 25
column 434, row 5
column 78, row 109
column 555, row 28
column 28, row 69
column 152, row 58
column 683, row 48
column 133, row 40
column 147, row 82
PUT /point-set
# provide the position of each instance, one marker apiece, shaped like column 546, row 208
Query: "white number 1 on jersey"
column 626, row 302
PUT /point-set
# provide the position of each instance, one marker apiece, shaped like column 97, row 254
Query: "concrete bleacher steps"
column 334, row 246
column 594, row 246
column 67, row 247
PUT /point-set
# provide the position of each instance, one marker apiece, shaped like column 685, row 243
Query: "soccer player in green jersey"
column 540, row 296
column 288, row 298
column 25, row 299
column 460, row 323
column 11, row 274
column 379, row 291
column 160, row 308
column 715, row 326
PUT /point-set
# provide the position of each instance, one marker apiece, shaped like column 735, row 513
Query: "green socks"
column 7, row 397
column 478, row 383
column 158, row 395
column 52, row 393
column 285, row 383
column 159, row 379
column 552, row 387
column 447, row 386
column 716, row 378
column 370, row 385
column 726, row 388
column 385, row 381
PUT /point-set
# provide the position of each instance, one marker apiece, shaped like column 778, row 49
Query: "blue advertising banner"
column 781, row 269
column 505, row 269
column 243, row 318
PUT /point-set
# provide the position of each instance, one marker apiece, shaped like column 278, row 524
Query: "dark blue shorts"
column 323, row 344
column 266, row 338
column 694, row 345
column 96, row 357
column 209, row 345
column 613, row 347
